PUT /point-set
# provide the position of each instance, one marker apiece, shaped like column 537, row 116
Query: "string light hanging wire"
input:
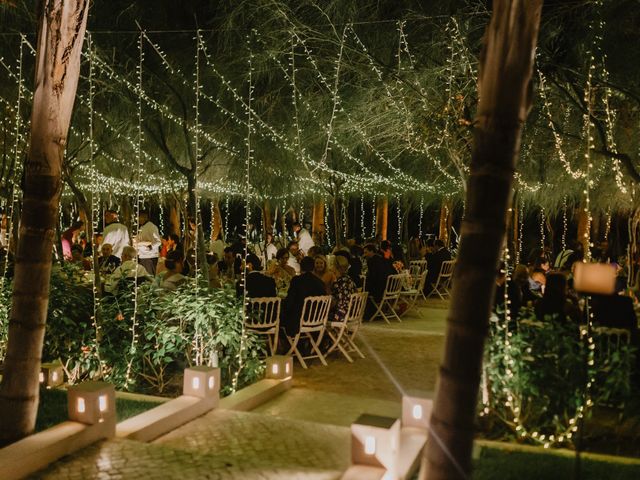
column 161, row 218
column 420, row 218
column 564, row 223
column 197, row 338
column 373, row 216
column 17, row 170
column 136, row 224
column 345, row 220
column 95, row 214
column 226, row 219
column 399, row 213
column 247, row 213
column 589, row 144
column 542, row 234
column 362, row 215
column 607, row 229
column 327, row 230
column 520, row 230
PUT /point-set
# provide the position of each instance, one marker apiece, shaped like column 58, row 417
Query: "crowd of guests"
column 546, row 286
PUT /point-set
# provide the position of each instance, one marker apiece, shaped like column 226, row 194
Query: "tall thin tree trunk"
column 445, row 220
column 267, row 218
column 216, row 220
column 62, row 25
column 382, row 217
column 583, row 229
column 504, row 92
column 317, row 221
column 337, row 217
column 174, row 217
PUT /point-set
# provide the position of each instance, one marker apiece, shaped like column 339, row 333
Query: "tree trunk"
column 382, row 217
column 317, row 220
column 504, row 92
column 194, row 213
column 583, row 229
column 267, row 218
column 337, row 218
column 62, row 26
column 216, row 220
column 444, row 226
column 174, row 217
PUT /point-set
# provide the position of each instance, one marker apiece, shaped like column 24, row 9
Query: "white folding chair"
column 313, row 320
column 608, row 341
column 417, row 267
column 443, row 283
column 412, row 292
column 343, row 333
column 389, row 298
column 263, row 318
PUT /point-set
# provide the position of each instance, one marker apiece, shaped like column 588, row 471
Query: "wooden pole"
column 382, row 217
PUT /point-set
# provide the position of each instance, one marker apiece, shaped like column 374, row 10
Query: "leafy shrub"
column 539, row 374
column 144, row 338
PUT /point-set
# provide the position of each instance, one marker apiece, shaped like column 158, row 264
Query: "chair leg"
column 294, row 349
column 378, row 311
column 355, row 347
column 316, row 348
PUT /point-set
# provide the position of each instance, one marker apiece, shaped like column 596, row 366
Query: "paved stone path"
column 302, row 434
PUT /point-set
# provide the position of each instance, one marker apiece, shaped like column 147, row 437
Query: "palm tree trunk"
column 504, row 92
column 382, row 217
column 60, row 37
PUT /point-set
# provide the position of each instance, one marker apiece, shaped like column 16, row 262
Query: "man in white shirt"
column 295, row 255
column 115, row 233
column 130, row 269
column 305, row 242
column 148, row 243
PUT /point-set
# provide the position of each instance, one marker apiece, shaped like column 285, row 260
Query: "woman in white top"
column 172, row 277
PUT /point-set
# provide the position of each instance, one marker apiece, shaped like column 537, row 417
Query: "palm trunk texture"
column 60, row 37
column 504, row 91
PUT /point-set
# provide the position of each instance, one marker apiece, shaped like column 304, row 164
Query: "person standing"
column 305, row 242
column 115, row 233
column 70, row 237
column 148, row 243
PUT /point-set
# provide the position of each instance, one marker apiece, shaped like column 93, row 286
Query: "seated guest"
column 107, row 262
column 170, row 242
column 341, row 289
column 555, row 301
column 280, row 271
column 522, row 280
column 355, row 262
column 77, row 257
column 385, row 250
column 258, row 284
column 130, row 269
column 537, row 282
column 302, row 286
column 542, row 263
column 172, row 277
column 435, row 259
column 378, row 270
column 295, row 256
column 230, row 265
column 321, row 271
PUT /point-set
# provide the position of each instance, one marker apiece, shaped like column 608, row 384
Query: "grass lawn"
column 52, row 408
column 503, row 465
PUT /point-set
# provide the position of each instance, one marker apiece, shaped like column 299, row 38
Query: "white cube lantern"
column 595, row 278
column 202, row 382
column 375, row 441
column 279, row 367
column 416, row 410
column 92, row 402
column 51, row 375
